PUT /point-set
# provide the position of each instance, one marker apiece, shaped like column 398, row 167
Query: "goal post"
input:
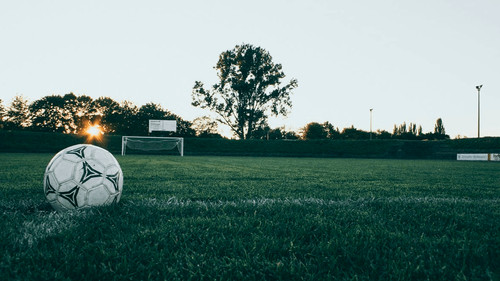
column 152, row 144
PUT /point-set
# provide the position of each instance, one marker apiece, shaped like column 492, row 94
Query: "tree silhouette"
column 439, row 131
column 47, row 114
column 126, row 120
column 249, row 90
column 17, row 115
column 439, row 127
column 314, row 131
column 331, row 131
column 408, row 132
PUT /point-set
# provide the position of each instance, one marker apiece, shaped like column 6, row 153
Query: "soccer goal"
column 152, row 144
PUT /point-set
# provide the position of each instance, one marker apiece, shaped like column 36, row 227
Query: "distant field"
column 237, row 218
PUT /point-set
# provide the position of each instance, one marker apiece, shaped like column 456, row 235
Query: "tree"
column 331, row 131
column 266, row 133
column 439, row 127
column 383, row 134
column 107, row 114
column 314, row 131
column 17, row 115
column 83, row 111
column 47, row 114
column 262, row 132
column 400, row 130
column 354, row 134
column 439, row 131
column 206, row 127
column 410, row 132
column 275, row 134
column 127, row 118
column 290, row 135
column 249, row 90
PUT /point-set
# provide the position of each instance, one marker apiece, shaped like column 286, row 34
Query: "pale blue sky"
column 412, row 61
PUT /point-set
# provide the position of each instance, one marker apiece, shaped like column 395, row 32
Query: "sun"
column 94, row 131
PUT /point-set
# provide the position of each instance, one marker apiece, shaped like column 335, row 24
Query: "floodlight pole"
column 371, row 110
column 478, row 111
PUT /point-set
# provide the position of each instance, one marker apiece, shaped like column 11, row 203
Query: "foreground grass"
column 259, row 218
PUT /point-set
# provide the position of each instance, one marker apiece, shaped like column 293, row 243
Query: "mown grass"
column 236, row 218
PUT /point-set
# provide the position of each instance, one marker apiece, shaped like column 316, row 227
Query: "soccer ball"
column 82, row 176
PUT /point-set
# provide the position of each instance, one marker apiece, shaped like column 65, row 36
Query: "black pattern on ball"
column 114, row 179
column 79, row 151
column 70, row 195
column 49, row 187
column 89, row 172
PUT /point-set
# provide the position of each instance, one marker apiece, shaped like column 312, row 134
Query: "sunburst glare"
column 94, row 131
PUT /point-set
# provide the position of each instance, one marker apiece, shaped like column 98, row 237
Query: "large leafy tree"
column 49, row 114
column 248, row 92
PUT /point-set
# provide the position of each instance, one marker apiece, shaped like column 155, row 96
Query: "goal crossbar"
column 152, row 143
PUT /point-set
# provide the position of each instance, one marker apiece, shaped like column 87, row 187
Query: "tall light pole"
column 478, row 111
column 371, row 110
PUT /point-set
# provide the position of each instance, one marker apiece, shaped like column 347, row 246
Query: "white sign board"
column 162, row 125
column 479, row 157
column 473, row 157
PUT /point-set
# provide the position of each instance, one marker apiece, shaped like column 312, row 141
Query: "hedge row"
column 21, row 141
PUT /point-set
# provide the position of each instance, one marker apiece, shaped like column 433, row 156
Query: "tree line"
column 72, row 114
column 326, row 130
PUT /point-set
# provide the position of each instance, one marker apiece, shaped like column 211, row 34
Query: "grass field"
column 236, row 218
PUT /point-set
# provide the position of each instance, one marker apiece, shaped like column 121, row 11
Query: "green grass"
column 236, row 218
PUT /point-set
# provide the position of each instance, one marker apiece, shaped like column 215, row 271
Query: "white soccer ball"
column 82, row 176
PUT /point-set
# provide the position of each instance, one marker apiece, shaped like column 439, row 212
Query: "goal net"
column 152, row 145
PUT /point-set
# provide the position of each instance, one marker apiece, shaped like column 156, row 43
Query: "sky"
column 411, row 61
